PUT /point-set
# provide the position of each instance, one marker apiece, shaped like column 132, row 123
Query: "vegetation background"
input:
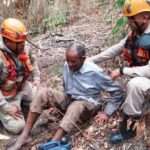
column 44, row 15
column 52, row 25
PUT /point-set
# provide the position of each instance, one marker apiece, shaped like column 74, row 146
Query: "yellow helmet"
column 134, row 7
column 14, row 30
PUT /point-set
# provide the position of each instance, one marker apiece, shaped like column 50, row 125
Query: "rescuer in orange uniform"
column 16, row 65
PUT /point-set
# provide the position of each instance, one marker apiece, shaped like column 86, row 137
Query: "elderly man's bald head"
column 75, row 56
column 77, row 48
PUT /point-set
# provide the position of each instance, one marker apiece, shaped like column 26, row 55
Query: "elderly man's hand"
column 115, row 74
column 101, row 118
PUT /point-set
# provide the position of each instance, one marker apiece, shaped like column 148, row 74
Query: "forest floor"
column 94, row 31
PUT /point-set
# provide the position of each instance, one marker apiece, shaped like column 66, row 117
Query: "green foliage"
column 59, row 19
column 119, row 3
column 121, row 22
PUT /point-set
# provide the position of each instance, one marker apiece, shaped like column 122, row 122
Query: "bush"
column 122, row 21
column 57, row 20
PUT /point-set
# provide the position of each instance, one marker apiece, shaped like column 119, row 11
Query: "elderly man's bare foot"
column 21, row 140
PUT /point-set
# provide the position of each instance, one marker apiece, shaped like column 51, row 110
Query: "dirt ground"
column 95, row 32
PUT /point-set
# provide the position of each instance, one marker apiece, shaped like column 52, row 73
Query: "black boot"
column 123, row 133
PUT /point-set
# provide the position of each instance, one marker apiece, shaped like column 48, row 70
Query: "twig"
column 36, row 45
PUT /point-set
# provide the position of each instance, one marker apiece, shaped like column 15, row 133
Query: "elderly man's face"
column 74, row 60
column 139, row 22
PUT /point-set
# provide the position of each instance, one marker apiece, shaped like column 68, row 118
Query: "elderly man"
column 83, row 82
column 135, row 49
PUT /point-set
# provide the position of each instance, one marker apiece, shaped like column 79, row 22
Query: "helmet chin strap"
column 17, row 50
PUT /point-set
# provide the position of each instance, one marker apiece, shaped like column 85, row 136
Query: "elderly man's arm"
column 116, row 95
column 115, row 91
